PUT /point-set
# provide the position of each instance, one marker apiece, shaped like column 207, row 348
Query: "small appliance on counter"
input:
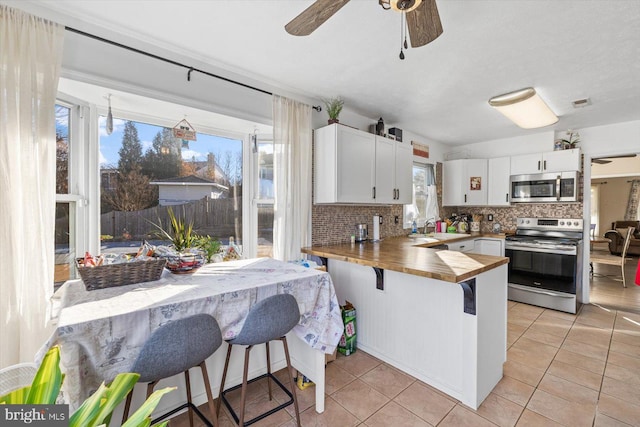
column 362, row 232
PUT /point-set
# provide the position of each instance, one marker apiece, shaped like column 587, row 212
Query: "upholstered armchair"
column 617, row 233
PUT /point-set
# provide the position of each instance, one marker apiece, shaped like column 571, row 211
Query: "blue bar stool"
column 176, row 347
column 268, row 320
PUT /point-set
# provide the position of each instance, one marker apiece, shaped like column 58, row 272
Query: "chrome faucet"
column 429, row 224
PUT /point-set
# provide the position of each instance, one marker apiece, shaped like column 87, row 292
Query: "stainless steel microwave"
column 545, row 187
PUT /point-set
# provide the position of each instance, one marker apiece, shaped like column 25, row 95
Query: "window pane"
column 144, row 170
column 265, row 230
column 65, row 250
column 62, row 149
column 265, row 170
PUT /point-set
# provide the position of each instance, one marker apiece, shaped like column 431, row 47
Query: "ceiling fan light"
column 404, row 5
column 525, row 108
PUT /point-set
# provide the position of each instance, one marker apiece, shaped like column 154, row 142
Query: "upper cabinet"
column 499, row 181
column 552, row 161
column 394, row 177
column 352, row 166
column 464, row 182
column 344, row 168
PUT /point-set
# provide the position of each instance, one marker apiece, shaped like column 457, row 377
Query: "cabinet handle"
column 506, row 197
column 538, row 164
column 374, row 192
column 545, row 165
column 465, row 198
column 397, row 194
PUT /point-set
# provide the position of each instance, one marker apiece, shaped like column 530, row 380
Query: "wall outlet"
column 396, row 220
column 490, row 217
column 380, row 220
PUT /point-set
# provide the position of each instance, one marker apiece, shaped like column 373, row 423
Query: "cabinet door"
column 464, row 246
column 453, row 176
column 404, row 173
column 561, row 161
column 487, row 246
column 526, row 164
column 475, row 186
column 355, row 157
column 385, row 173
column 498, row 181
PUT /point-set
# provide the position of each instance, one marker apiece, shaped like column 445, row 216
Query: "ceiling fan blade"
column 600, row 161
column 313, row 16
column 424, row 23
column 605, row 160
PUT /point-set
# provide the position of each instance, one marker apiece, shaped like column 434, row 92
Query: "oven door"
column 543, row 270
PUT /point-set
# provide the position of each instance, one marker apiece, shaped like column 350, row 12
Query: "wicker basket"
column 109, row 276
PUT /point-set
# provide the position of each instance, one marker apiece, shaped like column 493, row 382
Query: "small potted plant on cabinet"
column 334, row 107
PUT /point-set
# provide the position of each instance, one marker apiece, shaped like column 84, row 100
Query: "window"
column 145, row 171
column 424, row 207
column 264, row 197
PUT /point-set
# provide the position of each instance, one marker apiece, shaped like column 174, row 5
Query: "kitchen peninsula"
column 438, row 315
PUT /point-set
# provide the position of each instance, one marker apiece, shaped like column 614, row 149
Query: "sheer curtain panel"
column 30, row 56
column 292, row 177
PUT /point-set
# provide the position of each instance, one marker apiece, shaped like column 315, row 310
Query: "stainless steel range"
column 545, row 262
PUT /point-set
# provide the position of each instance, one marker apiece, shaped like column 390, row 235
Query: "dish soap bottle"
column 414, row 227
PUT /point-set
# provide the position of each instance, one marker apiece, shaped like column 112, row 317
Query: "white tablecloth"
column 101, row 332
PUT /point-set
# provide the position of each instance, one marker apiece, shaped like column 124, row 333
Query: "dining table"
column 101, row 332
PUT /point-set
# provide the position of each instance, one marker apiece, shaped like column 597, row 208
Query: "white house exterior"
column 181, row 190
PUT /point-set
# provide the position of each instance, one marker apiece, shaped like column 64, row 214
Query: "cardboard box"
column 348, row 341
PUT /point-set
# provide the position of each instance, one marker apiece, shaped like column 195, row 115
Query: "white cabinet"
column 344, row 165
column 464, row 246
column 552, row 161
column 499, row 177
column 352, row 166
column 489, row 246
column 464, row 182
column 394, row 177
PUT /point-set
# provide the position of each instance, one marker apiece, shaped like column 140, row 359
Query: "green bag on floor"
column 347, row 344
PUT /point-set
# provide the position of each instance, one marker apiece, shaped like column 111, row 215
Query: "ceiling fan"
column 605, row 160
column 421, row 18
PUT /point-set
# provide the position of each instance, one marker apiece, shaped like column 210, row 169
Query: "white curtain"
column 292, row 177
column 30, row 57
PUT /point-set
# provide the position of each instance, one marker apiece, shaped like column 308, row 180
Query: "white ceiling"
column 567, row 50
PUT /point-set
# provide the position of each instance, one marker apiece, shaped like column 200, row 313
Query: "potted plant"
column 333, row 107
column 209, row 245
column 97, row 409
column 184, row 259
column 572, row 139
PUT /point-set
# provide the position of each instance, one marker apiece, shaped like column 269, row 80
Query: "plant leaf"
column 143, row 413
column 48, row 380
column 115, row 393
column 89, row 409
column 16, row 397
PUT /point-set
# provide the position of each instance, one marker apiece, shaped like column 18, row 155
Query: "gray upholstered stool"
column 268, row 320
column 176, row 347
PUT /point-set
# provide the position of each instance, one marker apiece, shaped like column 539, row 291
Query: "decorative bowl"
column 184, row 263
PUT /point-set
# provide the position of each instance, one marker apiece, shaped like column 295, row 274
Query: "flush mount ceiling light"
column 525, row 108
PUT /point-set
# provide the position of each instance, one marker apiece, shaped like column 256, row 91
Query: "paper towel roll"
column 376, row 228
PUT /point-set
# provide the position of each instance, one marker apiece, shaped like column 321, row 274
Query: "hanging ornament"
column 184, row 131
column 109, row 127
column 185, row 144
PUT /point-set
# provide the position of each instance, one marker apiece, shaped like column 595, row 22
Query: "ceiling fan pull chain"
column 402, row 34
column 404, row 20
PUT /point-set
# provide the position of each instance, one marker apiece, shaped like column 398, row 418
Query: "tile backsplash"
column 506, row 216
column 334, row 224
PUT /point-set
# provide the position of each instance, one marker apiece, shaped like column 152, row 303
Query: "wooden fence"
column 216, row 217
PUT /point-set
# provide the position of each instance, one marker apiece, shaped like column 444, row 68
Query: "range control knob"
column 561, row 222
column 528, row 221
column 575, row 223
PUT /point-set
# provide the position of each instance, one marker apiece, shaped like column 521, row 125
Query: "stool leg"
column 207, row 385
column 291, row 385
column 243, row 395
column 188, row 384
column 224, row 377
column 268, row 371
column 127, row 405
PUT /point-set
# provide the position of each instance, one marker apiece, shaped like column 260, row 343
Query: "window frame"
column 419, row 222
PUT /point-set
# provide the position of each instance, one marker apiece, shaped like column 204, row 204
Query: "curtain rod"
column 170, row 61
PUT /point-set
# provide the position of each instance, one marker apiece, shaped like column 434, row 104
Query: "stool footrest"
column 266, row 414
column 180, row 408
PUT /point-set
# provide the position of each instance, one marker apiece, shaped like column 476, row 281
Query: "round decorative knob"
column 561, row 222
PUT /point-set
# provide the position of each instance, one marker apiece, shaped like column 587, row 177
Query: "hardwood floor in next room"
column 561, row 370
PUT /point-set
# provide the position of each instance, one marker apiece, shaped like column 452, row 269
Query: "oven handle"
column 536, row 291
column 558, row 188
column 525, row 248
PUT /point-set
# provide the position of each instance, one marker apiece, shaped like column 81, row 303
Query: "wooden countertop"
column 413, row 256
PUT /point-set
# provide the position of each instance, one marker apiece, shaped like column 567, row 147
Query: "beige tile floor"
column 561, row 370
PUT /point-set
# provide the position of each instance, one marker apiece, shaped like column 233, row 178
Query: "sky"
column 111, row 144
